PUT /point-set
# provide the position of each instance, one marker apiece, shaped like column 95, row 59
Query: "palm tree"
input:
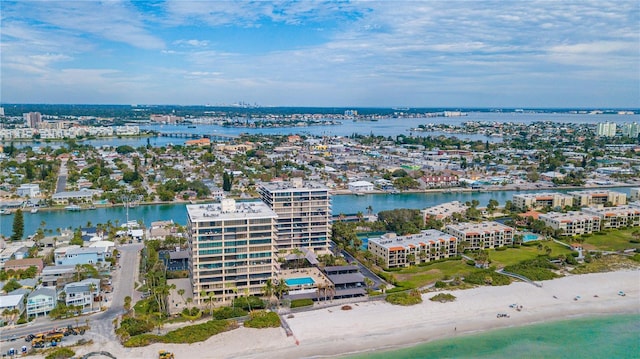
column 92, row 288
column 268, row 290
column 280, row 289
column 246, row 294
column 369, row 210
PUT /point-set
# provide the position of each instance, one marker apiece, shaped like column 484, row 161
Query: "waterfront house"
column 347, row 281
column 29, row 190
column 360, row 186
column 41, row 301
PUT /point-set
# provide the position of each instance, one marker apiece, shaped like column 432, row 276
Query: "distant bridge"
column 213, row 137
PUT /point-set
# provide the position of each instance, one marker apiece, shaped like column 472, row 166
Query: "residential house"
column 74, row 254
column 25, row 263
column 81, row 293
column 10, row 303
column 29, row 190
column 360, row 186
column 41, row 301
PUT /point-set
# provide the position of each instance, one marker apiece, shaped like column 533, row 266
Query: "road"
column 101, row 323
column 377, row 281
column 61, row 184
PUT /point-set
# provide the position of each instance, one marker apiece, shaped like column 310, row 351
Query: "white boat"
column 34, row 210
column 73, row 207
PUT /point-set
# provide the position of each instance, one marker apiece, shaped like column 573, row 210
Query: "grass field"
column 420, row 276
column 516, row 255
column 612, row 240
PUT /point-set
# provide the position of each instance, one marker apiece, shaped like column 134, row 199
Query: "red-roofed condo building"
column 482, row 235
column 403, row 251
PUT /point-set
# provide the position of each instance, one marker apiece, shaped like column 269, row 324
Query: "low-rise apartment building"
column 444, row 210
column 527, row 201
column 616, row 217
column 596, row 197
column 483, row 235
column 403, row 251
column 572, row 223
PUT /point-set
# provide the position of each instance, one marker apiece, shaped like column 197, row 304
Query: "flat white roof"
column 214, row 211
column 10, row 300
column 390, row 240
column 292, row 186
column 482, row 227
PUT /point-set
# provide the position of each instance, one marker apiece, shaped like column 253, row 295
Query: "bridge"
column 215, row 137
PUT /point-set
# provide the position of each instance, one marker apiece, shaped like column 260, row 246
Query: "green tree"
column 18, row 226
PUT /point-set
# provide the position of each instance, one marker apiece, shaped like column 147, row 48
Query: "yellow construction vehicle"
column 163, row 354
column 41, row 339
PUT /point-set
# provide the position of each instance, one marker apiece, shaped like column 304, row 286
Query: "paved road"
column 364, row 270
column 101, row 323
column 61, row 184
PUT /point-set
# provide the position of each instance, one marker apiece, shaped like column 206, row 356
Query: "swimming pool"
column 291, row 282
column 528, row 237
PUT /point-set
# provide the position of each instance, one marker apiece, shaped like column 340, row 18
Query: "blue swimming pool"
column 291, row 282
column 528, row 237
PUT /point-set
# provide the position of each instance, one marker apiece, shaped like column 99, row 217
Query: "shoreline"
column 378, row 326
column 347, row 192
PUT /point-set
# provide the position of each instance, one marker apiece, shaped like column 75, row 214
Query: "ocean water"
column 596, row 337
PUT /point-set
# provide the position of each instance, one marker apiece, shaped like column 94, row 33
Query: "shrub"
column 133, row 326
column 297, row 303
column 487, row 277
column 405, row 298
column 443, row 297
column 198, row 332
column 142, row 340
column 228, row 312
column 60, row 353
column 346, row 307
column 440, row 284
column 534, row 269
column 471, row 262
column 249, row 303
column 190, row 334
column 262, row 319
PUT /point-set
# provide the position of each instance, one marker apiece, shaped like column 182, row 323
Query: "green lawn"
column 419, row 276
column 516, row 255
column 612, row 240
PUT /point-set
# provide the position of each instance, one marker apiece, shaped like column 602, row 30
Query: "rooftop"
column 391, row 240
column 293, row 185
column 229, row 209
column 482, row 226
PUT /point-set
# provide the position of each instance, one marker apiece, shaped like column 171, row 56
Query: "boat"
column 34, row 210
column 5, row 211
column 73, row 208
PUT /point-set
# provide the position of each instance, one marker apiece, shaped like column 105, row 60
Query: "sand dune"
column 374, row 325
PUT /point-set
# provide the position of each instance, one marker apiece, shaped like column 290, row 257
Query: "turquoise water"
column 529, row 237
column 600, row 337
column 299, row 281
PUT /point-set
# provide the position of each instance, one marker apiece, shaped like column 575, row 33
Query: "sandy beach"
column 331, row 332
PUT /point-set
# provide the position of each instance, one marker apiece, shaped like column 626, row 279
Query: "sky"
column 517, row 54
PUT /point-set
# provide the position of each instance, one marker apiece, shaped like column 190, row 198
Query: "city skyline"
column 361, row 54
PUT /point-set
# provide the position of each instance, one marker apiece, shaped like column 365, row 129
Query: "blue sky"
column 337, row 53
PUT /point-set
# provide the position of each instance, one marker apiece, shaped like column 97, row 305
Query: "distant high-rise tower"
column 631, row 129
column 607, row 129
column 304, row 213
column 32, row 119
column 231, row 248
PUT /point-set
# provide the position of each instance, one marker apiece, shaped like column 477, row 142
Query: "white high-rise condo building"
column 231, row 248
column 607, row 129
column 304, row 213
